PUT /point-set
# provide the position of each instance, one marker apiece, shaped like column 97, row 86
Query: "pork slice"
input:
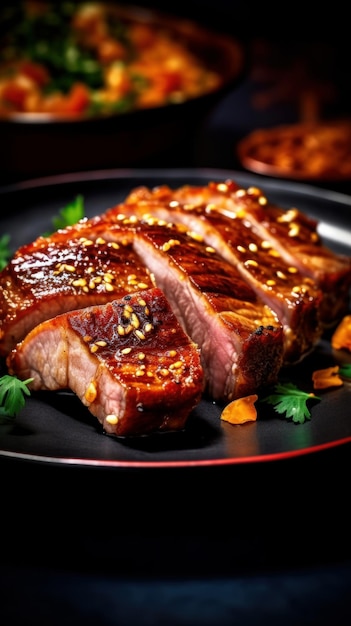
column 294, row 297
column 72, row 269
column 129, row 362
column 290, row 232
column 240, row 338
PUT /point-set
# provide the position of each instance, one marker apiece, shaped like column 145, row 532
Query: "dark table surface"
column 264, row 543
column 261, row 543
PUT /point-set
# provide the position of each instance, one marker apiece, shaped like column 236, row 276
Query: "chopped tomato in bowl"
column 97, row 85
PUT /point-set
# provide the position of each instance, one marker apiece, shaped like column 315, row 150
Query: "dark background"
column 259, row 544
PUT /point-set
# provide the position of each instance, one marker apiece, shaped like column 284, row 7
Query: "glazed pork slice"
column 240, row 338
column 290, row 233
column 65, row 271
column 128, row 361
column 294, row 297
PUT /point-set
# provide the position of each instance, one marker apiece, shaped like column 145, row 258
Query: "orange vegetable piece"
column 328, row 377
column 77, row 100
column 169, row 81
column 72, row 103
column 241, row 410
column 342, row 335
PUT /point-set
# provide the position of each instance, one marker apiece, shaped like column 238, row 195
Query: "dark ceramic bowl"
column 41, row 145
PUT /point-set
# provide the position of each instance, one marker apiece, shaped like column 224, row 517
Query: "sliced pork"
column 244, row 288
column 129, row 362
column 295, row 298
column 288, row 233
column 240, row 338
column 295, row 236
column 66, row 271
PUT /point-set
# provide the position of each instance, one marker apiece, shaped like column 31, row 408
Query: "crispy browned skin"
column 295, row 297
column 66, row 271
column 129, row 362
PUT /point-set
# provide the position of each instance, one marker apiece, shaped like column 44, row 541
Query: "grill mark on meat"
column 128, row 361
column 295, row 298
column 240, row 338
column 61, row 273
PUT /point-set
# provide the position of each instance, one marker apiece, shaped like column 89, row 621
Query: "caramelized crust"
column 58, row 274
column 129, row 362
column 290, row 232
column 240, row 338
column 294, row 297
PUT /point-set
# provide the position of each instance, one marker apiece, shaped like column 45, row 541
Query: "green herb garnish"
column 70, row 214
column 289, row 400
column 345, row 371
column 5, row 252
column 12, row 392
column 46, row 37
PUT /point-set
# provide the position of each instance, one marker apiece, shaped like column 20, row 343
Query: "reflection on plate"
column 56, row 428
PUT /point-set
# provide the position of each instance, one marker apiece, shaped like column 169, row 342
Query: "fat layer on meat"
column 129, row 361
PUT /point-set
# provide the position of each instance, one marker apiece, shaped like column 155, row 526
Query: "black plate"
column 55, row 428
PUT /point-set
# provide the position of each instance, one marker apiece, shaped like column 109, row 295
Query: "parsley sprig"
column 69, row 214
column 12, row 396
column 5, row 252
column 345, row 370
column 290, row 401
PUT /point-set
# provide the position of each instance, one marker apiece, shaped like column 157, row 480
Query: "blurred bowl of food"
column 317, row 152
column 95, row 85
